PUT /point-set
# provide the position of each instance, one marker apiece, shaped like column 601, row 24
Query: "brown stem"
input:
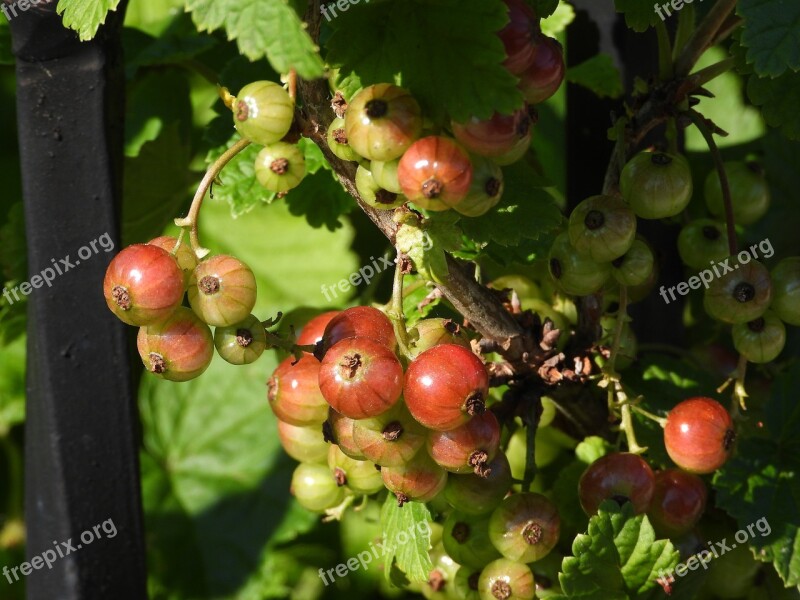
column 704, row 36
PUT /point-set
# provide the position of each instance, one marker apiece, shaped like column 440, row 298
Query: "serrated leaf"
column 85, row 16
column 407, row 538
column 558, row 19
column 639, row 14
column 599, row 74
column 544, row 8
column 428, row 258
column 760, row 485
column 617, row 558
column 778, row 99
column 321, row 199
column 262, row 28
column 237, row 184
column 771, row 34
column 454, row 69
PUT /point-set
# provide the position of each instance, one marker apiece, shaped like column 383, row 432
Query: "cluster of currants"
column 382, row 128
column 145, row 286
column 425, row 434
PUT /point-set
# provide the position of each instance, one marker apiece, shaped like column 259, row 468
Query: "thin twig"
column 704, row 36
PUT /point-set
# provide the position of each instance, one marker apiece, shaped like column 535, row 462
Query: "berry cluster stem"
column 395, row 312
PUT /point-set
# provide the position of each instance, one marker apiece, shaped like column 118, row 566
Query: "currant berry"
column 602, row 228
column 178, row 349
column 440, row 583
column 525, row 527
column 466, row 583
column 486, row 189
column 428, row 333
column 678, row 502
column 143, row 285
column 618, row 476
column 419, row 479
column 573, row 273
column 304, row 444
column 545, row 73
column 373, row 194
column 187, row 260
column 337, row 141
column 760, row 340
column 339, row 430
column 313, row 331
column 222, row 291
column 466, row 539
column 741, row 295
column 750, row 197
column 243, row 343
column 786, row 290
column 699, row 435
column 702, row 242
column 435, row 173
column 474, row 495
column 280, row 167
column 503, row 138
column 385, row 174
column 294, row 395
column 656, row 184
column 314, row 487
column 359, row 321
column 382, row 121
column 263, row 112
column 517, row 37
column 360, row 476
column 360, row 378
column 468, row 447
column 505, row 579
column 635, row 266
column 390, row 439
column 446, row 386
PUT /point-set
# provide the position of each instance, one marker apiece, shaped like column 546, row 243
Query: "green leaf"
column 237, row 184
column 407, row 538
column 557, row 20
column 455, row 69
column 12, row 385
column 639, row 14
column 545, row 8
column 321, row 199
column 428, row 257
column 85, row 16
column 599, row 74
column 617, row 558
column 262, row 28
column 591, row 449
column 760, row 485
column 778, row 99
column 6, row 57
column 771, row 34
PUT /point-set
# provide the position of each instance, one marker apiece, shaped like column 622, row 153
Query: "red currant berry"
column 543, row 76
column 635, row 266
column 750, row 195
column 360, row 476
column 382, row 121
column 786, row 286
column 439, row 585
column 702, row 242
column 337, row 141
column 435, row 173
column 678, row 502
column 390, row 439
column 486, row 189
column 419, row 479
column 468, row 447
column 359, row 321
column 187, row 260
column 222, row 291
column 339, row 430
column 428, row 333
column 294, row 395
column 503, row 138
column 178, row 349
column 280, row 167
column 699, row 435
column 525, row 527
column 360, row 378
column 466, row 539
column 760, row 340
column 263, row 112
column 312, row 331
column 304, row 444
column 656, row 184
column 573, row 273
column 466, row 583
column 619, row 476
column 517, row 36
column 385, row 174
column 741, row 295
column 143, row 285
column 602, row 228
column 446, row 386
column 505, row 579
column 373, row 194
column 243, row 343
column 314, row 487
column 476, row 495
